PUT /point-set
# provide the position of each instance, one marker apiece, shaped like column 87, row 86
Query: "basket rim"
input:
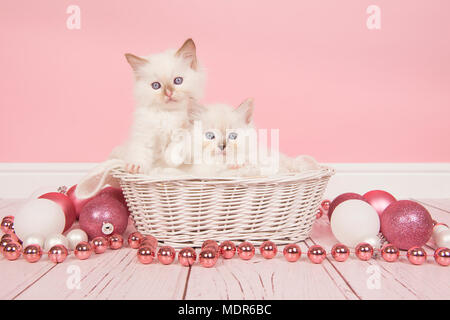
column 322, row 172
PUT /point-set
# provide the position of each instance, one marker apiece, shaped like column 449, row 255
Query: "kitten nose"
column 222, row 146
column 168, row 92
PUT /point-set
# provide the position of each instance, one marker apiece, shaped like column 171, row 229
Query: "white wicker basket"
column 187, row 212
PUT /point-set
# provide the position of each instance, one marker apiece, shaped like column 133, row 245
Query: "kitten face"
column 168, row 79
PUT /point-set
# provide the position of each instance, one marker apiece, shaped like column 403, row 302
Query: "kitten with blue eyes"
column 167, row 85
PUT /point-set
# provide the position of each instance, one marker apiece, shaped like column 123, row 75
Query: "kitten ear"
column 187, row 52
column 135, row 61
column 246, row 109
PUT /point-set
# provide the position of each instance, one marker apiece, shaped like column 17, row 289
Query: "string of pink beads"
column 209, row 253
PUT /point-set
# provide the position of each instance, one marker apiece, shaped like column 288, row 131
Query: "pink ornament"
column 150, row 240
column 103, row 216
column 7, row 226
column 227, row 249
column 9, row 218
column 379, row 199
column 340, row 252
column 83, row 250
column 12, row 251
column 390, row 253
column 210, row 243
column 316, row 254
column 187, row 257
column 99, row 244
column 145, row 254
column 134, row 239
column 442, row 256
column 406, row 224
column 292, row 252
column 319, row 213
column 66, row 205
column 417, row 255
column 57, row 254
column 268, row 249
column 166, row 255
column 246, row 250
column 341, row 198
column 4, row 242
column 208, row 257
column 32, row 253
column 325, row 205
column 364, row 251
column 115, row 241
column 77, row 203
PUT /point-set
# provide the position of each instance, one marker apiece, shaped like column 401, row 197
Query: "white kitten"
column 165, row 85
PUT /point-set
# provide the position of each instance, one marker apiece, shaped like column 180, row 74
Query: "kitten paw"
column 134, row 168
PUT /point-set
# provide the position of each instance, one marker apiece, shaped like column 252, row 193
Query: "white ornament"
column 373, row 241
column 34, row 238
column 438, row 228
column 353, row 221
column 55, row 239
column 442, row 239
column 75, row 236
column 40, row 216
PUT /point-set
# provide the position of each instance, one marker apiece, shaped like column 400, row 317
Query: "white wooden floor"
column 118, row 275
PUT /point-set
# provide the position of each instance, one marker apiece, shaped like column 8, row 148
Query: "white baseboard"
column 403, row 180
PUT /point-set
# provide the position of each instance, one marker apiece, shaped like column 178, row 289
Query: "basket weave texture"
column 186, row 212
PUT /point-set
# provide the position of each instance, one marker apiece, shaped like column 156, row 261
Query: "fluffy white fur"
column 160, row 112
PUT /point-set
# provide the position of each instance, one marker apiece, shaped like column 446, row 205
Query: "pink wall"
column 335, row 89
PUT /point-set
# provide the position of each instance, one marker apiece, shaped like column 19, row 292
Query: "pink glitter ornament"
column 246, row 250
column 57, row 254
column 12, row 251
column 316, row 254
column 166, row 255
column 115, row 241
column 390, row 253
column 417, row 255
column 292, row 252
column 208, row 257
column 187, row 257
column 406, row 224
column 227, row 249
column 83, row 250
column 268, row 249
column 340, row 252
column 341, row 198
column 442, row 256
column 364, row 251
column 7, row 226
column 66, row 205
column 103, row 216
column 379, row 200
column 99, row 244
column 32, row 253
column 145, row 254
column 134, row 239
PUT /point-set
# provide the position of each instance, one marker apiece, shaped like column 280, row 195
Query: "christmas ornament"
column 187, row 257
column 103, row 216
column 115, row 241
column 210, row 243
column 4, row 242
column 32, row 253
column 7, row 225
column 54, row 239
column 76, row 236
column 390, row 253
column 166, row 255
column 227, row 249
column 145, row 254
column 316, row 254
column 292, row 252
column 78, row 203
column 134, row 239
column 66, row 205
column 268, row 249
column 325, row 205
column 406, row 224
column 442, row 238
column 374, row 241
column 417, row 255
column 208, row 257
column 99, row 244
column 379, row 200
column 341, row 198
column 246, row 250
column 34, row 238
column 83, row 250
column 12, row 251
column 58, row 253
column 340, row 252
column 41, row 216
column 364, row 251
column 353, row 221
column 442, row 256
column 151, row 240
